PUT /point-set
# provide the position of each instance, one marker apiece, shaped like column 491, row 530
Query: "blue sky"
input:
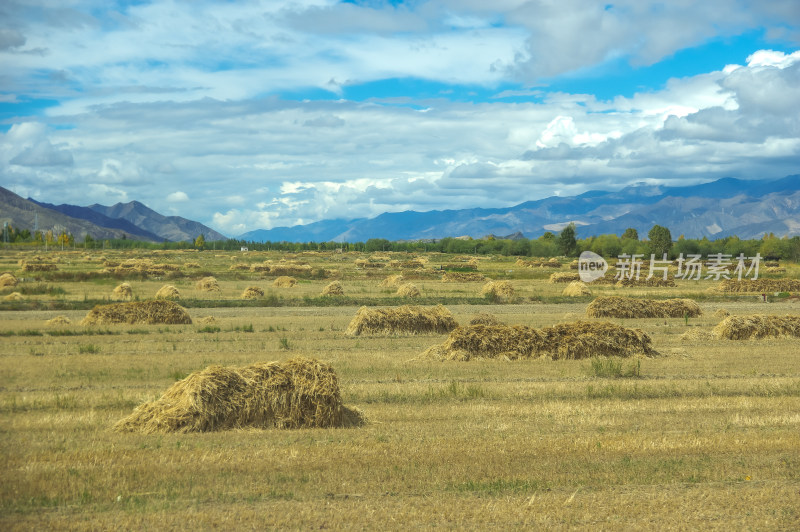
column 247, row 115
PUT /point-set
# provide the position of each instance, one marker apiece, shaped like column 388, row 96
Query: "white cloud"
column 177, row 196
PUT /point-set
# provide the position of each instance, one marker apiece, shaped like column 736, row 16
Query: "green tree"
column 631, row 233
column 660, row 240
column 567, row 244
column 200, row 242
column 88, row 241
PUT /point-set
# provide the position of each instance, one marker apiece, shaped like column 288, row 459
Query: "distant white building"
column 244, row 248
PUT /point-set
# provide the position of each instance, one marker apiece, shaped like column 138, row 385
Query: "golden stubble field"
column 706, row 437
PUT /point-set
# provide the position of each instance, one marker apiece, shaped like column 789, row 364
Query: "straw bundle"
column 207, row 320
column 38, row 267
column 298, row 393
column 406, row 319
column 191, row 265
column 462, row 277
column 13, row 296
column 776, row 269
column 757, row 326
column 643, row 281
column 123, row 291
column 207, row 284
column 293, row 269
column 551, row 263
column 564, row 277
column 138, row 312
column 759, row 286
column 239, row 266
column 721, row 313
column 284, row 281
column 7, row 280
column 626, row 307
column 58, row 321
column 168, row 292
column 408, row 290
column 393, row 281
column 576, row 289
column 252, row 292
column 564, row 341
column 484, row 318
column 498, row 289
column 696, row 335
column 334, row 288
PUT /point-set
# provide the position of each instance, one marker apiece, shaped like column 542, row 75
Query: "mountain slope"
column 85, row 213
column 172, row 228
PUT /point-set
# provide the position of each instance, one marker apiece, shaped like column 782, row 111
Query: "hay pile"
column 37, row 267
column 252, row 292
column 498, row 289
column 284, row 281
column 643, row 281
column 757, row 326
column 191, row 265
column 576, row 289
column 406, row 319
column 759, row 286
column 292, row 269
column 13, row 296
column 407, row 290
column 393, row 281
column 298, row 393
column 123, row 291
column 207, row 284
column 563, row 341
column 334, row 288
column 462, row 277
column 207, row 320
column 139, row 266
column 564, row 277
column 626, row 307
column 240, row 266
column 484, row 318
column 721, row 313
column 7, row 280
column 168, row 292
column 776, row 269
column 58, row 321
column 138, row 312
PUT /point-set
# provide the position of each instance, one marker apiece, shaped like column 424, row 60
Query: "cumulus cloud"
column 177, row 196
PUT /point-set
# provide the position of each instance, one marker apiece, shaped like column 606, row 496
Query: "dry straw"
column 13, row 296
column 484, row 318
column 252, row 292
column 757, row 326
column 7, row 280
column 207, row 320
column 498, row 290
column 207, row 284
column 626, row 307
column 123, row 291
column 334, row 288
column 462, row 277
column 168, row 292
column 284, row 281
column 576, row 289
column 721, row 313
column 138, row 312
column 408, row 290
column 760, row 286
column 652, row 282
column 563, row 341
column 393, row 281
column 406, row 319
column 298, row 393
column 564, row 277
column 58, row 321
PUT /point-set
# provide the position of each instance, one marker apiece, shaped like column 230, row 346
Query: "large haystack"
column 393, row 281
column 252, row 292
column 284, row 281
column 297, row 393
column 123, row 292
column 7, row 280
column 207, row 284
column 501, row 290
column 626, row 307
column 564, row 277
column 138, row 312
column 759, row 286
column 168, row 292
column 564, row 341
column 408, row 290
column 406, row 319
column 334, row 288
column 576, row 289
column 757, row 326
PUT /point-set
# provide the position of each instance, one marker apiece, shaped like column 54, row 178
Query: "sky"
column 249, row 115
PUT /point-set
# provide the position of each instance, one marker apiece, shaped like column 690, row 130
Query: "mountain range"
column 728, row 206
column 132, row 220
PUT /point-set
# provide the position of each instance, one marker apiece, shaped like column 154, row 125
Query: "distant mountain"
column 746, row 208
column 85, row 213
column 26, row 214
column 172, row 228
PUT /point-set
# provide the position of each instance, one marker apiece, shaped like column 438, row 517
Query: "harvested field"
column 207, row 284
column 334, row 288
column 284, row 281
column 7, row 280
column 757, row 326
column 502, row 290
column 138, row 312
column 298, row 393
column 759, row 286
column 252, row 292
column 168, row 292
column 484, row 318
column 392, row 281
column 563, row 341
column 643, row 281
column 576, row 289
column 626, row 307
column 564, row 277
column 406, row 319
column 408, row 290
column 462, row 277
column 123, row 292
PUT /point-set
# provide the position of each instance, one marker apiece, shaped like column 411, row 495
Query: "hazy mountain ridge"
column 746, row 208
column 173, row 228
